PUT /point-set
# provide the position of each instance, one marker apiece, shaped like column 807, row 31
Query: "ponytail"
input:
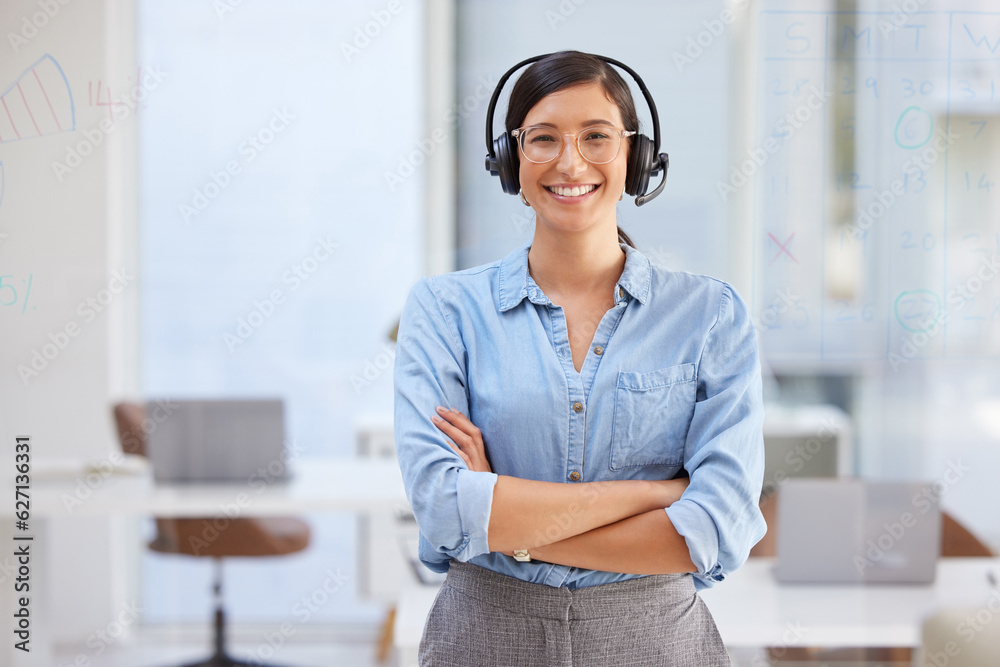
column 623, row 238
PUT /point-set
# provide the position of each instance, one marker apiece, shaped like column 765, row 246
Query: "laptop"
column 220, row 440
column 857, row 532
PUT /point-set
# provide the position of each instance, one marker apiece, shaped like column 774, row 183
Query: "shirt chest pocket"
column 652, row 415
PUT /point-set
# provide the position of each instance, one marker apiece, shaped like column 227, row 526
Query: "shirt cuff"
column 698, row 529
column 475, row 500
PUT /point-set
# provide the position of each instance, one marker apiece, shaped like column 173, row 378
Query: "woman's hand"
column 464, row 434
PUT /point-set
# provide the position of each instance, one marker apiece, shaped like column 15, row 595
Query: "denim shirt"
column 670, row 386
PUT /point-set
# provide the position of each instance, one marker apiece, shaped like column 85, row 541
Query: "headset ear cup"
column 508, row 165
column 640, row 166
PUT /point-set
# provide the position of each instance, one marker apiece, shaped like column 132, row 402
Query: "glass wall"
column 836, row 162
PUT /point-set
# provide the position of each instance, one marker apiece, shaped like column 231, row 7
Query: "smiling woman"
column 579, row 431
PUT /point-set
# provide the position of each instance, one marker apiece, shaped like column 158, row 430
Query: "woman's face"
column 549, row 187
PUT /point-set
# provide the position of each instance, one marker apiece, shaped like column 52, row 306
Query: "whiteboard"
column 875, row 231
column 65, row 191
column 876, row 187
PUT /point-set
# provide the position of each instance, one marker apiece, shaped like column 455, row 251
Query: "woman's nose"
column 570, row 161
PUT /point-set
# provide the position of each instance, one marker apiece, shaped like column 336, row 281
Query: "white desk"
column 752, row 610
column 320, row 485
column 327, row 485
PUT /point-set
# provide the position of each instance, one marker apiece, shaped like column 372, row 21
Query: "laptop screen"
column 220, row 440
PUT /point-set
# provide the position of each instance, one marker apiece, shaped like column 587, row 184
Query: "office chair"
column 272, row 536
column 949, row 637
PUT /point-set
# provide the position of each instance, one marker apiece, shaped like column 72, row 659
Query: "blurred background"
column 835, row 160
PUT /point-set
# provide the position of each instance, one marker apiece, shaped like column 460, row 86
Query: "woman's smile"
column 569, row 193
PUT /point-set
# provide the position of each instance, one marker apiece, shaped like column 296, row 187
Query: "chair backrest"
column 128, row 419
column 948, row 638
column 957, row 541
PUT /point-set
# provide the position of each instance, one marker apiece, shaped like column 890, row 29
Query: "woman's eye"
column 541, row 138
column 595, row 136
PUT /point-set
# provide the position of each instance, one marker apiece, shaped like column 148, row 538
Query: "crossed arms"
column 615, row 526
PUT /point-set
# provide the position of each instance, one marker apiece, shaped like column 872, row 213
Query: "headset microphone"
column 643, row 160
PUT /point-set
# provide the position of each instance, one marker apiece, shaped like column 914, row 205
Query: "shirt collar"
column 515, row 283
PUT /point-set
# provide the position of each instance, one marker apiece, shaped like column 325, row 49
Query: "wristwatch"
column 522, row 555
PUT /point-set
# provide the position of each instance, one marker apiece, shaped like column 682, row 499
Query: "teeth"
column 575, row 191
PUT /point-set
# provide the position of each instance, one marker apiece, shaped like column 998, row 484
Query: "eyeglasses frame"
column 518, row 133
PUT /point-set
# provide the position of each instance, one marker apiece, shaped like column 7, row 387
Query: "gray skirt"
column 481, row 618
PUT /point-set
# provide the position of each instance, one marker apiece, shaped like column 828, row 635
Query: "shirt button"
column 621, row 292
column 598, row 350
column 574, row 476
column 578, row 406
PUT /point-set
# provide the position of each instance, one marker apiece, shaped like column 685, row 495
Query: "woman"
column 605, row 417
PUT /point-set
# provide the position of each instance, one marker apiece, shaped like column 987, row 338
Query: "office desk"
column 320, row 485
column 327, row 485
column 751, row 609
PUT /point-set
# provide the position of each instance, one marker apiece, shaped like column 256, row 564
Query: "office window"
column 276, row 252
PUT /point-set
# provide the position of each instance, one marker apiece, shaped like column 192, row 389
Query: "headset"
column 643, row 160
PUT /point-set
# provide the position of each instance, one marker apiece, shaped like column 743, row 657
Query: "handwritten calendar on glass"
column 876, row 185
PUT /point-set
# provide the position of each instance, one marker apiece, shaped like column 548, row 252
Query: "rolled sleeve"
column 719, row 513
column 450, row 502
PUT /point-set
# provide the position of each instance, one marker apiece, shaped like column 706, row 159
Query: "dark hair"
column 562, row 70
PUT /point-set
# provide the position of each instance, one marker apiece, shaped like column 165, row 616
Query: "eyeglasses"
column 597, row 145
